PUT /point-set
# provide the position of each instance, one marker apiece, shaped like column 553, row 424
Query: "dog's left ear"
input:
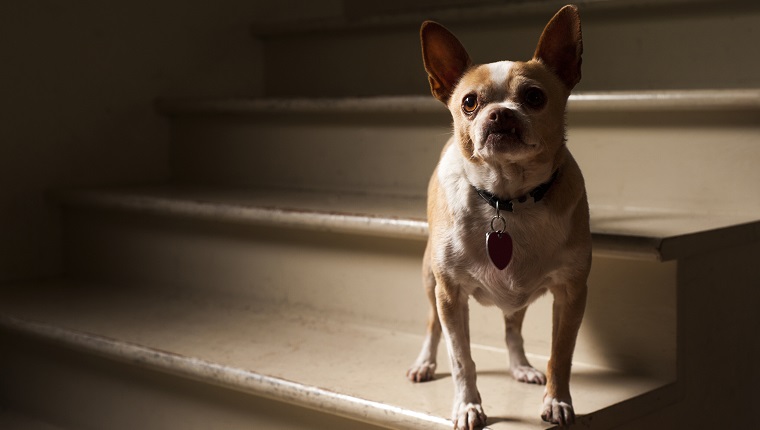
column 561, row 45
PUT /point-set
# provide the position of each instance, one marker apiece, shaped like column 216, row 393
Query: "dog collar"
column 508, row 205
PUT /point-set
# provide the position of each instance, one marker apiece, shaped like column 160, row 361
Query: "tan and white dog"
column 507, row 209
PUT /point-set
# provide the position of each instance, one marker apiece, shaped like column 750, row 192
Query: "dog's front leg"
column 453, row 311
column 521, row 369
column 569, row 306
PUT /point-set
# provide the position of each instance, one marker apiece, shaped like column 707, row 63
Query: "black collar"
column 508, row 205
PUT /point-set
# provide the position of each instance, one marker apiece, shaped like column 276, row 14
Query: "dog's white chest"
column 534, row 234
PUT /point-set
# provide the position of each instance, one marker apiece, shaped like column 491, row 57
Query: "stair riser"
column 87, row 392
column 625, row 50
column 644, row 159
column 630, row 324
column 361, row 154
column 669, row 160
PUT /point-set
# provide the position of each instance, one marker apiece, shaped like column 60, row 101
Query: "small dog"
column 507, row 209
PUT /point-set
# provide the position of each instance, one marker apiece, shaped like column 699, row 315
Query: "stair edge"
column 741, row 99
column 654, row 246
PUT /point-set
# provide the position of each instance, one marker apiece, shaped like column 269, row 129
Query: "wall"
column 78, row 83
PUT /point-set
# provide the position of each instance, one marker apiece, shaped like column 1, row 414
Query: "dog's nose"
column 501, row 116
column 503, row 120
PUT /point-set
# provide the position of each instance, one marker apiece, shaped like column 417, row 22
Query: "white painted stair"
column 275, row 283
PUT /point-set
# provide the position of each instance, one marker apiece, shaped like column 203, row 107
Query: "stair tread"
column 649, row 233
column 290, row 354
column 345, row 212
column 604, row 101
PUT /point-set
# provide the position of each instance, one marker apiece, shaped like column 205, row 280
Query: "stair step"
column 291, row 355
column 604, row 101
column 651, row 234
column 379, row 145
column 388, row 16
column 629, row 45
column 393, row 216
column 637, row 149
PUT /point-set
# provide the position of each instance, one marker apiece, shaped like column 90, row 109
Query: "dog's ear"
column 444, row 57
column 561, row 46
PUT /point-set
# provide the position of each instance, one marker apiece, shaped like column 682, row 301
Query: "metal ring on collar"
column 503, row 224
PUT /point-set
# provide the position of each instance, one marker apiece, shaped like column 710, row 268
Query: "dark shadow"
column 438, row 376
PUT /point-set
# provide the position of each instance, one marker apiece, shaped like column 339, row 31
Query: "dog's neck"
column 537, row 194
column 512, row 180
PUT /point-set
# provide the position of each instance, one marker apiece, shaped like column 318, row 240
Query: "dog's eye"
column 534, row 98
column 470, row 103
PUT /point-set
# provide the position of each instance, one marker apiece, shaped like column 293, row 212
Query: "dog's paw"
column 557, row 411
column 528, row 374
column 421, row 372
column 469, row 416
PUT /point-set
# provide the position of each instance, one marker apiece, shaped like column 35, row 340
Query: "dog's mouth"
column 506, row 138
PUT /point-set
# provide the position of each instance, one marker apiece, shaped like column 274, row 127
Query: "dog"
column 507, row 210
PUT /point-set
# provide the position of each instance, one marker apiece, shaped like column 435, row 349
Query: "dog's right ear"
column 444, row 57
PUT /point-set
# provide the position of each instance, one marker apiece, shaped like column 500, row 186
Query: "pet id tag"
column 499, row 244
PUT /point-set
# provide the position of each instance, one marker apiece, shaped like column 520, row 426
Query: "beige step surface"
column 296, row 356
column 656, row 234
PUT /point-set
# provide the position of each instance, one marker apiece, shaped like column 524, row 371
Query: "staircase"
column 275, row 281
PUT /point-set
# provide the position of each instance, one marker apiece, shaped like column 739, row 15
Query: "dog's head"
column 507, row 112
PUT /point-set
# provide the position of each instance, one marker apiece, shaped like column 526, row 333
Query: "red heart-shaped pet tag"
column 499, row 247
